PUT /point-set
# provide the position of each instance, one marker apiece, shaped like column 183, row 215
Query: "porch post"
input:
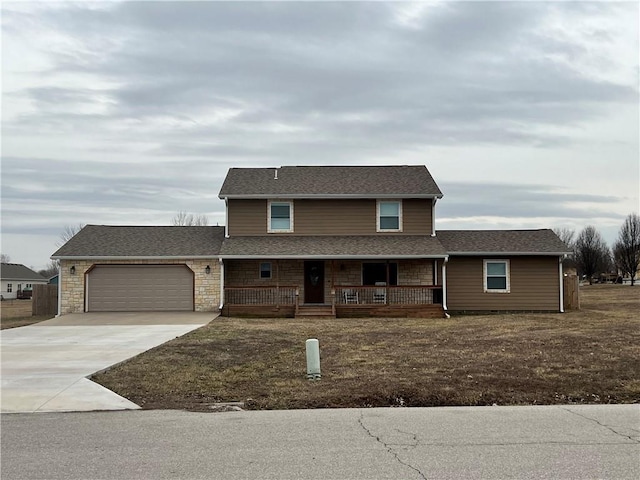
column 333, row 273
column 435, row 271
column 386, row 294
column 277, row 283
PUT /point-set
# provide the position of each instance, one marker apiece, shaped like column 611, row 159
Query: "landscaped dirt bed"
column 587, row 356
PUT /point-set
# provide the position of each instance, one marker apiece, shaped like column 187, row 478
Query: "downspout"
column 444, row 286
column 561, row 283
column 221, row 263
column 433, row 217
column 59, row 288
column 226, row 218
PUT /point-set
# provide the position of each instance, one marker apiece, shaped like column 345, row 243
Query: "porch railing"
column 281, row 295
column 388, row 295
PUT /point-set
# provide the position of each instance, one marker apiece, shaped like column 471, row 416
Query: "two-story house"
column 345, row 241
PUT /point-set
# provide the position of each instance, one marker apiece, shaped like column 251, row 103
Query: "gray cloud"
column 136, row 109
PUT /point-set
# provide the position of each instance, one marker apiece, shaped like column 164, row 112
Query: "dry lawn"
column 22, row 321
column 587, row 356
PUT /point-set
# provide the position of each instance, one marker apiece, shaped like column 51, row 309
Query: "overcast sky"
column 526, row 114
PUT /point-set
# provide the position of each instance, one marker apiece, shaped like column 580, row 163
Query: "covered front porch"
column 287, row 287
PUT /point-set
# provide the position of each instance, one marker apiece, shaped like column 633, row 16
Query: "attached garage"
column 131, row 288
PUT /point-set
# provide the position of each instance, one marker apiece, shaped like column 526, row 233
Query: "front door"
column 313, row 282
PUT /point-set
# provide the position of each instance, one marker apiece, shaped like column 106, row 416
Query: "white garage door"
column 135, row 288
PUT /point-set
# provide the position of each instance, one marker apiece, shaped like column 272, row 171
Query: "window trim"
column 9, row 287
column 260, row 264
column 278, row 230
column 507, row 275
column 378, row 204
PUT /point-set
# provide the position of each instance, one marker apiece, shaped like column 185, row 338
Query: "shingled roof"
column 401, row 181
column 17, row 271
column 366, row 246
column 134, row 241
column 472, row 242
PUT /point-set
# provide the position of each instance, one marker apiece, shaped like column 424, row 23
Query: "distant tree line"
column 593, row 256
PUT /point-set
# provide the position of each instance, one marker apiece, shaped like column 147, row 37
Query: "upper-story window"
column 389, row 215
column 280, row 217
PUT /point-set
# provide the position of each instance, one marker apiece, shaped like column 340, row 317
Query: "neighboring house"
column 16, row 278
column 345, row 241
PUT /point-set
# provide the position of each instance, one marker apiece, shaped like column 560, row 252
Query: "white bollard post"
column 313, row 359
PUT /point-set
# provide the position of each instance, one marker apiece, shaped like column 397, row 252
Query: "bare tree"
column 184, row 219
column 626, row 249
column 5, row 258
column 592, row 253
column 68, row 233
column 566, row 235
column 51, row 270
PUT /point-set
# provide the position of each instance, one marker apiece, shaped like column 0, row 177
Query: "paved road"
column 418, row 443
column 44, row 365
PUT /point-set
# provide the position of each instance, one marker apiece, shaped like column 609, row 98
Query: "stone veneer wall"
column 206, row 287
column 415, row 272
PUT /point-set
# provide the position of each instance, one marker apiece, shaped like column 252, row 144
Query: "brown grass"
column 22, row 321
column 589, row 356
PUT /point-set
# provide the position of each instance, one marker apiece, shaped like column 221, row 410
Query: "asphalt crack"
column 389, row 446
column 611, row 429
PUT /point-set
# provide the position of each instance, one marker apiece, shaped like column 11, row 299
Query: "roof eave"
column 133, row 257
column 23, row 279
column 327, row 196
column 331, row 257
column 512, row 254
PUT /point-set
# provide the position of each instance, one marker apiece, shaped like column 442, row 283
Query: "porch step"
column 315, row 311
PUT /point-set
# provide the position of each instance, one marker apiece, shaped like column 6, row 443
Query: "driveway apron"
column 45, row 365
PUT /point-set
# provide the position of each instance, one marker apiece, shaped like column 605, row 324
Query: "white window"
column 265, row 270
column 9, row 287
column 280, row 217
column 29, row 286
column 389, row 215
column 496, row 276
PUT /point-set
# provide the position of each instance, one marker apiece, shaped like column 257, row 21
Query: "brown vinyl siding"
column 335, row 217
column 534, row 285
column 328, row 217
column 416, row 216
column 247, row 217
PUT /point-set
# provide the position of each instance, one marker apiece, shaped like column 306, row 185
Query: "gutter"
column 332, row 257
column 136, row 257
column 522, row 254
column 324, row 196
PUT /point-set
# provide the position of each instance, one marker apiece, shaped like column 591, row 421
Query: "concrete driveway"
column 45, row 365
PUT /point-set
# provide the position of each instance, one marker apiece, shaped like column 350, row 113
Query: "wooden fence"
column 15, row 309
column 571, row 293
column 44, row 300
